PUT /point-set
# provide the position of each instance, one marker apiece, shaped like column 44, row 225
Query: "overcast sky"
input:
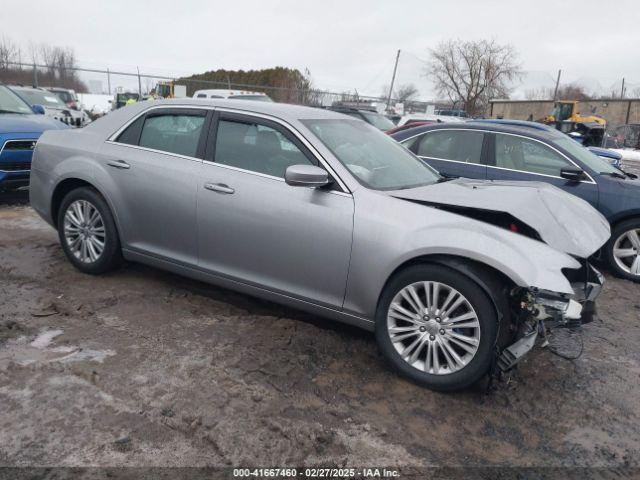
column 346, row 45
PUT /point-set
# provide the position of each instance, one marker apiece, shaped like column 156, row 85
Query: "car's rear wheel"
column 437, row 327
column 623, row 249
column 87, row 232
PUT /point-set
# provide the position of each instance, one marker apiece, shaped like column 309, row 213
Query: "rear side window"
column 173, row 133
column 257, row 148
column 131, row 135
column 460, row 145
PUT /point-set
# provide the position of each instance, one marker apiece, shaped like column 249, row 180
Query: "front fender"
column 396, row 232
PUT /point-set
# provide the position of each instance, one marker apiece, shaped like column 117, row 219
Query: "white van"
column 232, row 94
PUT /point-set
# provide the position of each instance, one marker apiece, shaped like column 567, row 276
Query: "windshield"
column 38, row 97
column 11, row 103
column 379, row 121
column 590, row 159
column 375, row 159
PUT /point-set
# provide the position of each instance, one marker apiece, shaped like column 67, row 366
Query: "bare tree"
column 406, row 92
column 9, row 53
column 473, row 72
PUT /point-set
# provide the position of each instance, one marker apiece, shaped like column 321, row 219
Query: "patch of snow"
column 45, row 338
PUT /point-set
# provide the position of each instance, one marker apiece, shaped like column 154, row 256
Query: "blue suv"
column 504, row 151
column 20, row 128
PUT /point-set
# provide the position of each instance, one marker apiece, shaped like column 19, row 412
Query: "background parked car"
column 68, row 96
column 20, row 128
column 489, row 150
column 54, row 107
column 232, row 94
column 372, row 117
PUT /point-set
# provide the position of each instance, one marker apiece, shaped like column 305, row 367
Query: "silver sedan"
column 322, row 212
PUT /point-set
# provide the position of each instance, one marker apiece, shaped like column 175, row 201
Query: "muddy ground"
column 144, row 368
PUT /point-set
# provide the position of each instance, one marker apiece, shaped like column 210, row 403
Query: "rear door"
column 255, row 228
column 154, row 165
column 515, row 157
column 452, row 152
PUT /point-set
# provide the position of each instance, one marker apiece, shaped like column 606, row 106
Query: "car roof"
column 541, row 134
column 287, row 112
column 516, row 123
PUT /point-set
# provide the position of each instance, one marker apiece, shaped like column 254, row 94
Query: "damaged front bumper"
column 541, row 311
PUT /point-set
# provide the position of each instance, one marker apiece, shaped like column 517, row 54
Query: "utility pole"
column 108, row 82
column 622, row 90
column 555, row 92
column 139, row 84
column 393, row 79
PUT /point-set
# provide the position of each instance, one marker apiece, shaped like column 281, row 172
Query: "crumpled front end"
column 537, row 312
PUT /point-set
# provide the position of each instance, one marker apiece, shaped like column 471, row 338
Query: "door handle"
column 219, row 187
column 118, row 164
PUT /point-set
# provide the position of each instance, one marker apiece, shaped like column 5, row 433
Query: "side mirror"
column 572, row 174
column 306, row 176
column 39, row 109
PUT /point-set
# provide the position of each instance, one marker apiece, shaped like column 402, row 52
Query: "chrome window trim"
column 18, row 140
column 590, row 181
column 153, row 150
column 288, row 126
column 15, row 171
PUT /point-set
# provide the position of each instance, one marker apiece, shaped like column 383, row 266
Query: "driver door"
column 256, row 229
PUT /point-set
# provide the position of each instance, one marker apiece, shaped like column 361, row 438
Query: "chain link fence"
column 109, row 82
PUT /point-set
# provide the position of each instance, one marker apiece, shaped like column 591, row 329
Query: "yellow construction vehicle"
column 567, row 111
column 168, row 89
column 566, row 118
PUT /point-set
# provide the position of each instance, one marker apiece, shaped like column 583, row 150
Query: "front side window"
column 256, row 147
column 172, row 133
column 459, row 145
column 518, row 153
column 373, row 158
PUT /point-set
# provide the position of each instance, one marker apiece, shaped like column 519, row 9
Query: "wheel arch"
column 629, row 215
column 67, row 185
column 488, row 278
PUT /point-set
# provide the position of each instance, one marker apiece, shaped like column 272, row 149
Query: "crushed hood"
column 563, row 221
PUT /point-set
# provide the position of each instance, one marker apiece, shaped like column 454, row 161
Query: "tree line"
column 58, row 62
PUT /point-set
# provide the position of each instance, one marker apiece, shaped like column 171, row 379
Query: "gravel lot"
column 145, row 368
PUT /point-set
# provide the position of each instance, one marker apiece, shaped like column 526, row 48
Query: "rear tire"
column 622, row 251
column 88, row 232
column 455, row 331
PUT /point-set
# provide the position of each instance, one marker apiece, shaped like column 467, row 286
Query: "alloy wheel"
column 433, row 327
column 84, row 231
column 626, row 251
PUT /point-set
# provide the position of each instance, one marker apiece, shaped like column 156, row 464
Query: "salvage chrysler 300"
column 323, row 212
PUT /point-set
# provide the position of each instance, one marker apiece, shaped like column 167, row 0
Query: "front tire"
column 623, row 250
column 88, row 232
column 436, row 327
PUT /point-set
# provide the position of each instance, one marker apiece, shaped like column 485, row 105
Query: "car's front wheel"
column 437, row 327
column 87, row 232
column 623, row 249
